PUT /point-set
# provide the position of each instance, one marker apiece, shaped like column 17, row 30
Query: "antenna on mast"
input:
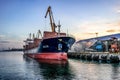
column 30, row 35
column 67, row 33
column 33, row 35
column 39, row 32
column 59, row 28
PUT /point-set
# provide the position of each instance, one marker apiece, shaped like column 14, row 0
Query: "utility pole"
column 96, row 34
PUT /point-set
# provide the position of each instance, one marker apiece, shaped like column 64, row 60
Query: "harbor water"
column 15, row 66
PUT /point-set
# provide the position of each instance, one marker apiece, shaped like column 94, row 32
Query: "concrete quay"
column 96, row 56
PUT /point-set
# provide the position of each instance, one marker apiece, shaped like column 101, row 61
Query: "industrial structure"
column 108, row 43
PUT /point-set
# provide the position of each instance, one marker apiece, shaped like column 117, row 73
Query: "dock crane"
column 53, row 26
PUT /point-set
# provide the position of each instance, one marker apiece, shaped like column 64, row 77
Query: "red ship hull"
column 49, row 56
column 51, row 49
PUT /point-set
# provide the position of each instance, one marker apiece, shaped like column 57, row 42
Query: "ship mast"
column 39, row 34
column 59, row 28
column 53, row 26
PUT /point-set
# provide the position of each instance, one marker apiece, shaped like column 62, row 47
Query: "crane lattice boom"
column 53, row 26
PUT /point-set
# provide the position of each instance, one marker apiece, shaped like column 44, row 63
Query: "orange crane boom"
column 53, row 26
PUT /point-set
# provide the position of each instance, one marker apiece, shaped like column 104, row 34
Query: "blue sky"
column 18, row 18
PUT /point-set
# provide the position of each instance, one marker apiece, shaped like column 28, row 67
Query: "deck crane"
column 53, row 26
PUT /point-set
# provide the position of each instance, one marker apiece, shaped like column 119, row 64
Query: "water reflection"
column 15, row 66
column 115, row 71
column 52, row 69
column 55, row 62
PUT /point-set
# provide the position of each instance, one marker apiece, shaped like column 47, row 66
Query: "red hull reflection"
column 52, row 61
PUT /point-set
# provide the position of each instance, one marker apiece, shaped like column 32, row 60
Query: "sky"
column 80, row 18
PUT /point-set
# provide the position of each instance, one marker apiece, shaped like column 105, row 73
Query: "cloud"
column 7, row 41
column 93, row 26
column 117, row 9
column 81, row 36
column 89, row 33
column 88, row 29
column 10, row 44
column 113, row 27
column 2, row 36
column 4, row 41
column 112, row 31
column 115, row 23
column 102, row 26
